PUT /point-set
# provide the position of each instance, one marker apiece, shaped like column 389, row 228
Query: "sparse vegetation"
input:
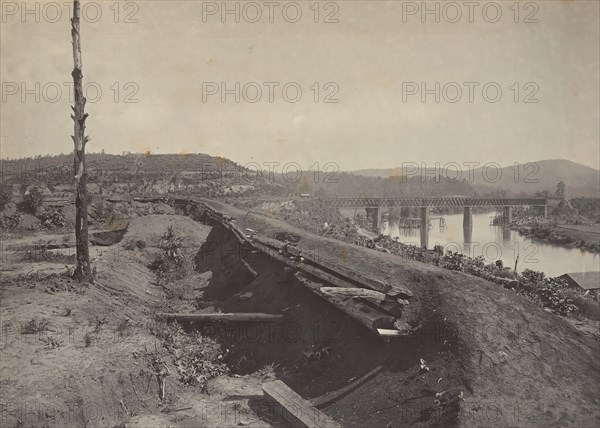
column 35, row 326
column 172, row 263
column 52, row 342
column 52, row 219
column 197, row 358
column 13, row 221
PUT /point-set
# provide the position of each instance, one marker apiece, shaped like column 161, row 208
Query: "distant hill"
column 527, row 178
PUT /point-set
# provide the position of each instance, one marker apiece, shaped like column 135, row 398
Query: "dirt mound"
column 76, row 355
column 481, row 355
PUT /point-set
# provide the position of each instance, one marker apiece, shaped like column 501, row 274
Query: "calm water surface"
column 495, row 242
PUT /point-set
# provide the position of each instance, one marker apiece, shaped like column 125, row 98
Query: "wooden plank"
column 298, row 407
column 372, row 297
column 333, row 396
column 322, row 275
column 223, row 317
column 366, row 315
column 393, row 290
column 389, row 332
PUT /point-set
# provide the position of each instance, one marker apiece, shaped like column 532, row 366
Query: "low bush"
column 172, row 264
column 11, row 221
column 52, row 219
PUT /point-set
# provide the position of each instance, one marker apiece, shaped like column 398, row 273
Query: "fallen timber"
column 223, row 317
column 333, row 396
column 249, row 268
column 296, row 406
column 366, row 315
column 374, row 304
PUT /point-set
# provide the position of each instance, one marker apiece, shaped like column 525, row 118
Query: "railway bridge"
column 375, row 206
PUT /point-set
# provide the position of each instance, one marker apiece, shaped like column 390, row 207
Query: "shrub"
column 5, row 195
column 10, row 221
column 51, row 219
column 171, row 265
column 102, row 212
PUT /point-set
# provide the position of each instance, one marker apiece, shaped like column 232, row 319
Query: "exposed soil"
column 495, row 358
column 480, row 355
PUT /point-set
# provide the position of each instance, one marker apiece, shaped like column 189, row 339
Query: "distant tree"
column 5, row 195
column 561, row 189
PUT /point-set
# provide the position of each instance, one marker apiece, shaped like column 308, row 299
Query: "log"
column 274, row 254
column 388, row 332
column 333, row 396
column 250, row 269
column 374, row 298
column 298, row 407
column 366, row 315
column 270, row 242
column 223, row 317
column 324, row 276
column 393, row 290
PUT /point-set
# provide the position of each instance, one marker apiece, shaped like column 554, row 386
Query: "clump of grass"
column 268, row 372
column 52, row 342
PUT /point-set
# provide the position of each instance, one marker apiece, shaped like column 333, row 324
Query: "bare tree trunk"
column 83, row 271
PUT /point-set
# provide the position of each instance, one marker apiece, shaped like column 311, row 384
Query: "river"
column 495, row 242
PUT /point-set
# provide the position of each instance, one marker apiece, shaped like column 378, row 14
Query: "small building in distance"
column 583, row 280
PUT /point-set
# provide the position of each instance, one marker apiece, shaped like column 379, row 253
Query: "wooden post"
column 507, row 214
column 424, row 227
column 83, row 272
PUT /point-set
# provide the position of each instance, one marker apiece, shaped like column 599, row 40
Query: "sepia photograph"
column 299, row 214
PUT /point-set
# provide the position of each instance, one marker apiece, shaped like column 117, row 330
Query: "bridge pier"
column 506, row 214
column 374, row 214
column 424, row 227
column 467, row 218
column 467, row 229
column 377, row 219
column 544, row 211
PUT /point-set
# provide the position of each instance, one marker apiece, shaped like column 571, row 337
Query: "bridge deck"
column 429, row 202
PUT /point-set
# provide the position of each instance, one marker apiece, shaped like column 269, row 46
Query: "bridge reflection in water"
column 374, row 209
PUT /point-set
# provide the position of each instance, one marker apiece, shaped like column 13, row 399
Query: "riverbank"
column 585, row 237
column 550, row 293
column 498, row 337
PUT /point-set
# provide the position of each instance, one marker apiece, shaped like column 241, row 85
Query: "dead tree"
column 83, row 272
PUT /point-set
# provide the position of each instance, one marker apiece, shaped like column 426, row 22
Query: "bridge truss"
column 429, row 202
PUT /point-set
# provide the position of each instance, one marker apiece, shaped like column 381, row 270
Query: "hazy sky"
column 370, row 57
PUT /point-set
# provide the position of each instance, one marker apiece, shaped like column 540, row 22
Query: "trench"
column 317, row 348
